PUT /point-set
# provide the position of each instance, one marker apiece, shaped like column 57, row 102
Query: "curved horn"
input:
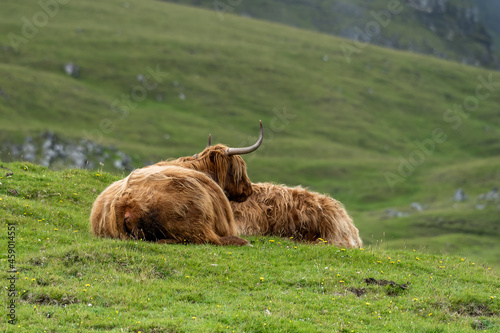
column 247, row 150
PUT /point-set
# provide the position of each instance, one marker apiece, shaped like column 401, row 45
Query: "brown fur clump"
column 295, row 212
column 227, row 171
column 168, row 204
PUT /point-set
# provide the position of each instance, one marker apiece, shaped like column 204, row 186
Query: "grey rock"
column 391, row 213
column 489, row 196
column 460, row 195
column 492, row 195
column 118, row 164
column 16, row 150
column 29, row 152
column 418, row 207
column 72, row 70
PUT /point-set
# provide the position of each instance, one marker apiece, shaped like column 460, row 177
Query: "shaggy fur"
column 295, row 212
column 168, row 204
column 227, row 171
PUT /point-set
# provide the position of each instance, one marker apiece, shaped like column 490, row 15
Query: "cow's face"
column 227, row 168
column 238, row 186
column 229, row 172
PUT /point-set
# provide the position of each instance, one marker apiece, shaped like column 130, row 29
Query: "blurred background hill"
column 408, row 142
column 459, row 30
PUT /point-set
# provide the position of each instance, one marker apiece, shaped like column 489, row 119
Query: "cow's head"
column 227, row 168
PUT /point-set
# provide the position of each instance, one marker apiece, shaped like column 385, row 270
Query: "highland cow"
column 280, row 210
column 168, row 204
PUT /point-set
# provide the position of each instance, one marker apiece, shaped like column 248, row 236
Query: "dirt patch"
column 36, row 262
column 14, row 192
column 473, row 309
column 357, row 291
column 45, row 299
column 392, row 288
column 482, row 324
column 370, row 281
column 73, row 257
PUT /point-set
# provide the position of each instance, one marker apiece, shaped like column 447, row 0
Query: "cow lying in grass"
column 168, row 204
column 172, row 202
column 278, row 210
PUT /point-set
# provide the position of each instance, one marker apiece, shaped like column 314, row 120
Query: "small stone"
column 418, row 207
column 460, row 195
column 72, row 70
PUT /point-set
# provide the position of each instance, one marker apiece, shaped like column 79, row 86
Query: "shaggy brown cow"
column 286, row 212
column 168, row 204
column 283, row 211
column 221, row 163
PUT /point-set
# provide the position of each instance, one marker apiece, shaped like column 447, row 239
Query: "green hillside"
column 66, row 280
column 336, row 127
column 458, row 30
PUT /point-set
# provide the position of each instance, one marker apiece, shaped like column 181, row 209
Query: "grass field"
column 337, row 127
column 69, row 281
column 450, row 34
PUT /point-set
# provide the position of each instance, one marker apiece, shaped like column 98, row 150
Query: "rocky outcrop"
column 50, row 150
column 459, row 25
column 429, row 6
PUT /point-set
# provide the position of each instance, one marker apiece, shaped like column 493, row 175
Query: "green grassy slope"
column 347, row 124
column 446, row 29
column 69, row 281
